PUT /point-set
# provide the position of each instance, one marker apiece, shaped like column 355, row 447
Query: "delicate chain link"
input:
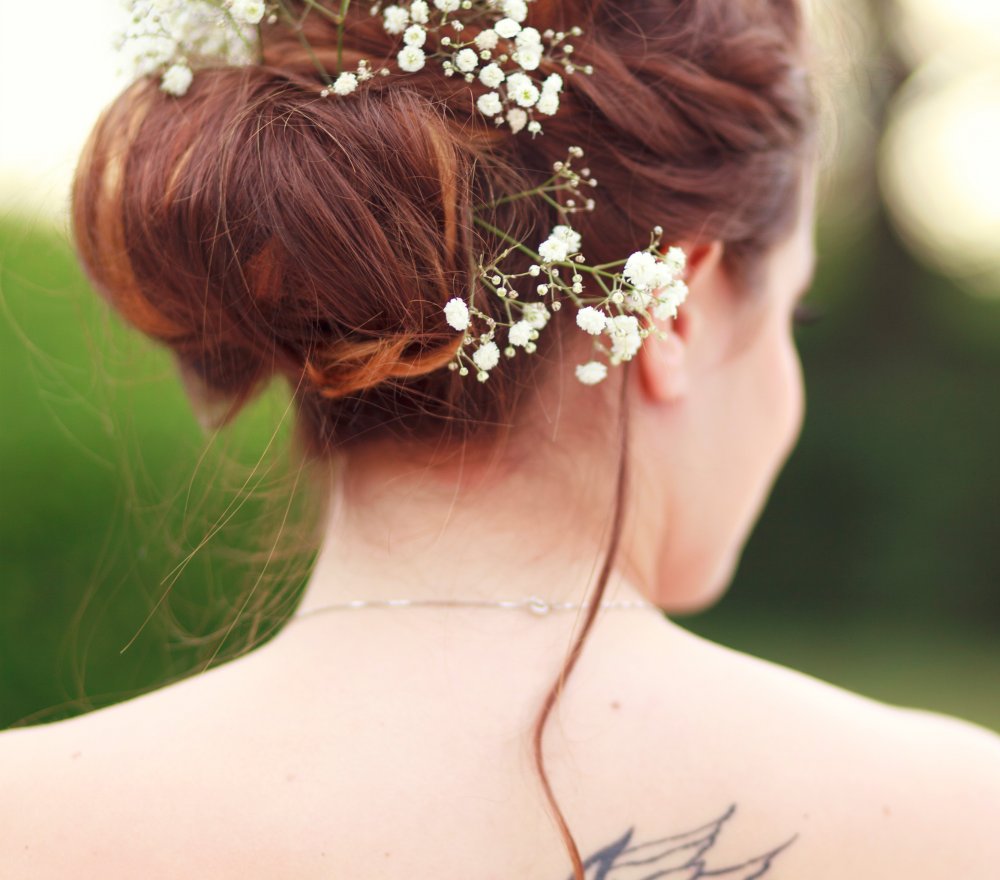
column 534, row 604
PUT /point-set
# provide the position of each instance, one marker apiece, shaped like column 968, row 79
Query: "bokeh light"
column 938, row 164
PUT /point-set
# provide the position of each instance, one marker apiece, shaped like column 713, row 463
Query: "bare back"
column 323, row 756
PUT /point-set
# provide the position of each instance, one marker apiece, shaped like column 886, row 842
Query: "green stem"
column 489, row 227
column 344, row 4
column 322, row 10
column 297, row 27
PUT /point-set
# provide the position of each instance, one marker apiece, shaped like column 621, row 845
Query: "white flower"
column 456, row 312
column 528, row 37
column 637, row 300
column 516, row 119
column 676, row 259
column 466, row 60
column 515, row 9
column 395, row 19
column 487, row 356
column 507, row 28
column 553, row 83
column 569, row 235
column 486, row 39
column 529, row 57
column 534, row 126
column 345, row 83
column 661, row 275
column 592, row 320
column 668, row 301
column 415, row 35
column 522, row 89
column 177, row 79
column 411, row 58
column 248, row 11
column 447, row 5
column 520, row 333
column 491, row 75
column 419, row 12
column 536, row 314
column 553, row 250
column 548, row 103
column 640, row 270
column 625, row 338
column 489, row 104
column 591, row 372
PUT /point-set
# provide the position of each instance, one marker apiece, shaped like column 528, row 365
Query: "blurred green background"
column 876, row 565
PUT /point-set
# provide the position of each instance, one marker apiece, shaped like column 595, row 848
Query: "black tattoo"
column 679, row 856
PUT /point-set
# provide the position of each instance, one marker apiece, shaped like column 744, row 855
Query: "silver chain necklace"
column 533, row 604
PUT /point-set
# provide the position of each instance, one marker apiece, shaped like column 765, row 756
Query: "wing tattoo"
column 678, row 857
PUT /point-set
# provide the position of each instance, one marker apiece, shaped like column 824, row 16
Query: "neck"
column 505, row 529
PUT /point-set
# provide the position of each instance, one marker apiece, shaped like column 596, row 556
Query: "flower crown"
column 173, row 38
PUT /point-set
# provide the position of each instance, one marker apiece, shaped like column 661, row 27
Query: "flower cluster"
column 648, row 285
column 173, row 37
column 484, row 41
column 502, row 53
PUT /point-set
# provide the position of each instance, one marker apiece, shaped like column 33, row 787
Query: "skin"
column 715, row 409
column 392, row 743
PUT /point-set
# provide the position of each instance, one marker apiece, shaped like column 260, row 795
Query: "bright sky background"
column 939, row 173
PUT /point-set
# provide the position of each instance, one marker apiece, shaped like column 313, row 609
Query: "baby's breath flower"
column 247, row 11
column 570, row 236
column 534, row 126
column 516, row 119
column 520, row 333
column 447, row 5
column 486, row 39
column 548, row 103
column 522, row 89
column 411, row 58
column 506, row 27
column 491, row 76
column 489, row 104
column 669, row 300
column 419, row 12
column 527, row 37
column 177, row 79
column 552, row 83
column 640, row 270
column 536, row 314
column 487, row 356
column 591, row 372
column 456, row 313
column 625, row 338
column 592, row 320
column 345, row 83
column 466, row 60
column 676, row 259
column 553, row 250
column 395, row 19
column 529, row 57
column 415, row 35
column 515, row 9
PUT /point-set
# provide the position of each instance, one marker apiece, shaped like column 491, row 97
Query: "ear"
column 664, row 364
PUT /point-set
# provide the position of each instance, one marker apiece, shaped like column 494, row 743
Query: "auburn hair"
column 259, row 230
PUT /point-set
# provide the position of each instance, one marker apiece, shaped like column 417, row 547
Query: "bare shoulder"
column 88, row 796
column 884, row 790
